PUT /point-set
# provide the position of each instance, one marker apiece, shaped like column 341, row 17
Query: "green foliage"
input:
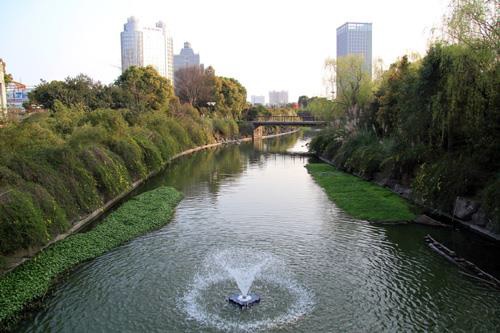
column 80, row 90
column 322, row 108
column 33, row 279
column 303, row 101
column 107, row 168
column 359, row 198
column 256, row 111
column 433, row 123
column 474, row 23
column 21, row 222
column 151, row 154
column 353, row 89
column 225, row 127
column 230, row 97
column 95, row 141
column 142, row 88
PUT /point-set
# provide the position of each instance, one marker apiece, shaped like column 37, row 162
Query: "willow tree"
column 353, row 89
column 474, row 23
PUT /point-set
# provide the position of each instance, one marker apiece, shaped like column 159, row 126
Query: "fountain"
column 243, row 273
column 254, row 273
column 244, row 301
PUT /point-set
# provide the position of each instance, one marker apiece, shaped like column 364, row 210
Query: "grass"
column 359, row 198
column 32, row 280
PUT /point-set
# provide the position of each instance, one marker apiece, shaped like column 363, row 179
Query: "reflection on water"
column 361, row 278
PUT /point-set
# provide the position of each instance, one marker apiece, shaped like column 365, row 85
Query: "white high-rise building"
column 258, row 100
column 186, row 58
column 143, row 46
column 278, row 98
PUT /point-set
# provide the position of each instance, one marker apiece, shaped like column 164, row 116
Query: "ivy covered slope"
column 146, row 212
column 359, row 198
column 92, row 142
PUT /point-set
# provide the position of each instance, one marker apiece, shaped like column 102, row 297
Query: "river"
column 329, row 272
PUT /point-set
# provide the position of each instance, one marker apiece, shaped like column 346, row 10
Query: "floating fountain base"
column 244, row 302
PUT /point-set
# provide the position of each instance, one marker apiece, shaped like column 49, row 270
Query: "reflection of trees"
column 217, row 166
column 277, row 145
column 209, row 166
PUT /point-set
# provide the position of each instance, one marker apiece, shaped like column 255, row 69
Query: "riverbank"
column 360, row 199
column 148, row 211
column 24, row 255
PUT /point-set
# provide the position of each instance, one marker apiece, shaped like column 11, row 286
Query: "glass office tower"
column 356, row 38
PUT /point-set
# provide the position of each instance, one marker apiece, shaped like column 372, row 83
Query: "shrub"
column 439, row 183
column 21, row 222
column 108, row 170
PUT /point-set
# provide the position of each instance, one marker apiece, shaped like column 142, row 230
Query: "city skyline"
column 293, row 61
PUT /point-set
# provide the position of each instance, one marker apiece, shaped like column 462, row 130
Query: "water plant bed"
column 32, row 280
column 359, row 198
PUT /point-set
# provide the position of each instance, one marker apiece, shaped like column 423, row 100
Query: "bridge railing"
column 285, row 118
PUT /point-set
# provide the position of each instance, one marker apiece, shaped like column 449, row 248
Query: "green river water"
column 321, row 270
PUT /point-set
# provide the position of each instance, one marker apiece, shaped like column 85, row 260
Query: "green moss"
column 33, row 279
column 359, row 198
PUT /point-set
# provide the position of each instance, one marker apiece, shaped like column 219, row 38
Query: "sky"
column 264, row 44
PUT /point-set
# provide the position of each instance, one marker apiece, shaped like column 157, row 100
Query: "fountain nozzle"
column 244, row 301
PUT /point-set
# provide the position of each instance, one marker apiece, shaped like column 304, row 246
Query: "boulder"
column 465, row 208
column 403, row 191
column 480, row 218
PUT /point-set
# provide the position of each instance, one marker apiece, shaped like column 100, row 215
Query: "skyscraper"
column 186, row 58
column 258, row 100
column 143, row 46
column 278, row 98
column 356, row 39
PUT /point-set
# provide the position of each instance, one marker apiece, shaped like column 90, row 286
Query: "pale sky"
column 265, row 44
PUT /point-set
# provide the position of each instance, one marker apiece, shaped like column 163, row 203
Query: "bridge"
column 307, row 121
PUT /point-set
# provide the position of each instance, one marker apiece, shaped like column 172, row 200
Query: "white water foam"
column 245, row 266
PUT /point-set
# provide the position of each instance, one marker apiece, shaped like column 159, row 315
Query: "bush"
column 108, row 169
column 21, row 222
column 151, row 154
column 439, row 183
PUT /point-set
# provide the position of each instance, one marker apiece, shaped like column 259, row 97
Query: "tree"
column 330, row 78
column 230, row 96
column 142, row 88
column 474, row 23
column 322, row 108
column 195, row 86
column 390, row 96
column 7, row 78
column 303, row 100
column 353, row 88
column 79, row 90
